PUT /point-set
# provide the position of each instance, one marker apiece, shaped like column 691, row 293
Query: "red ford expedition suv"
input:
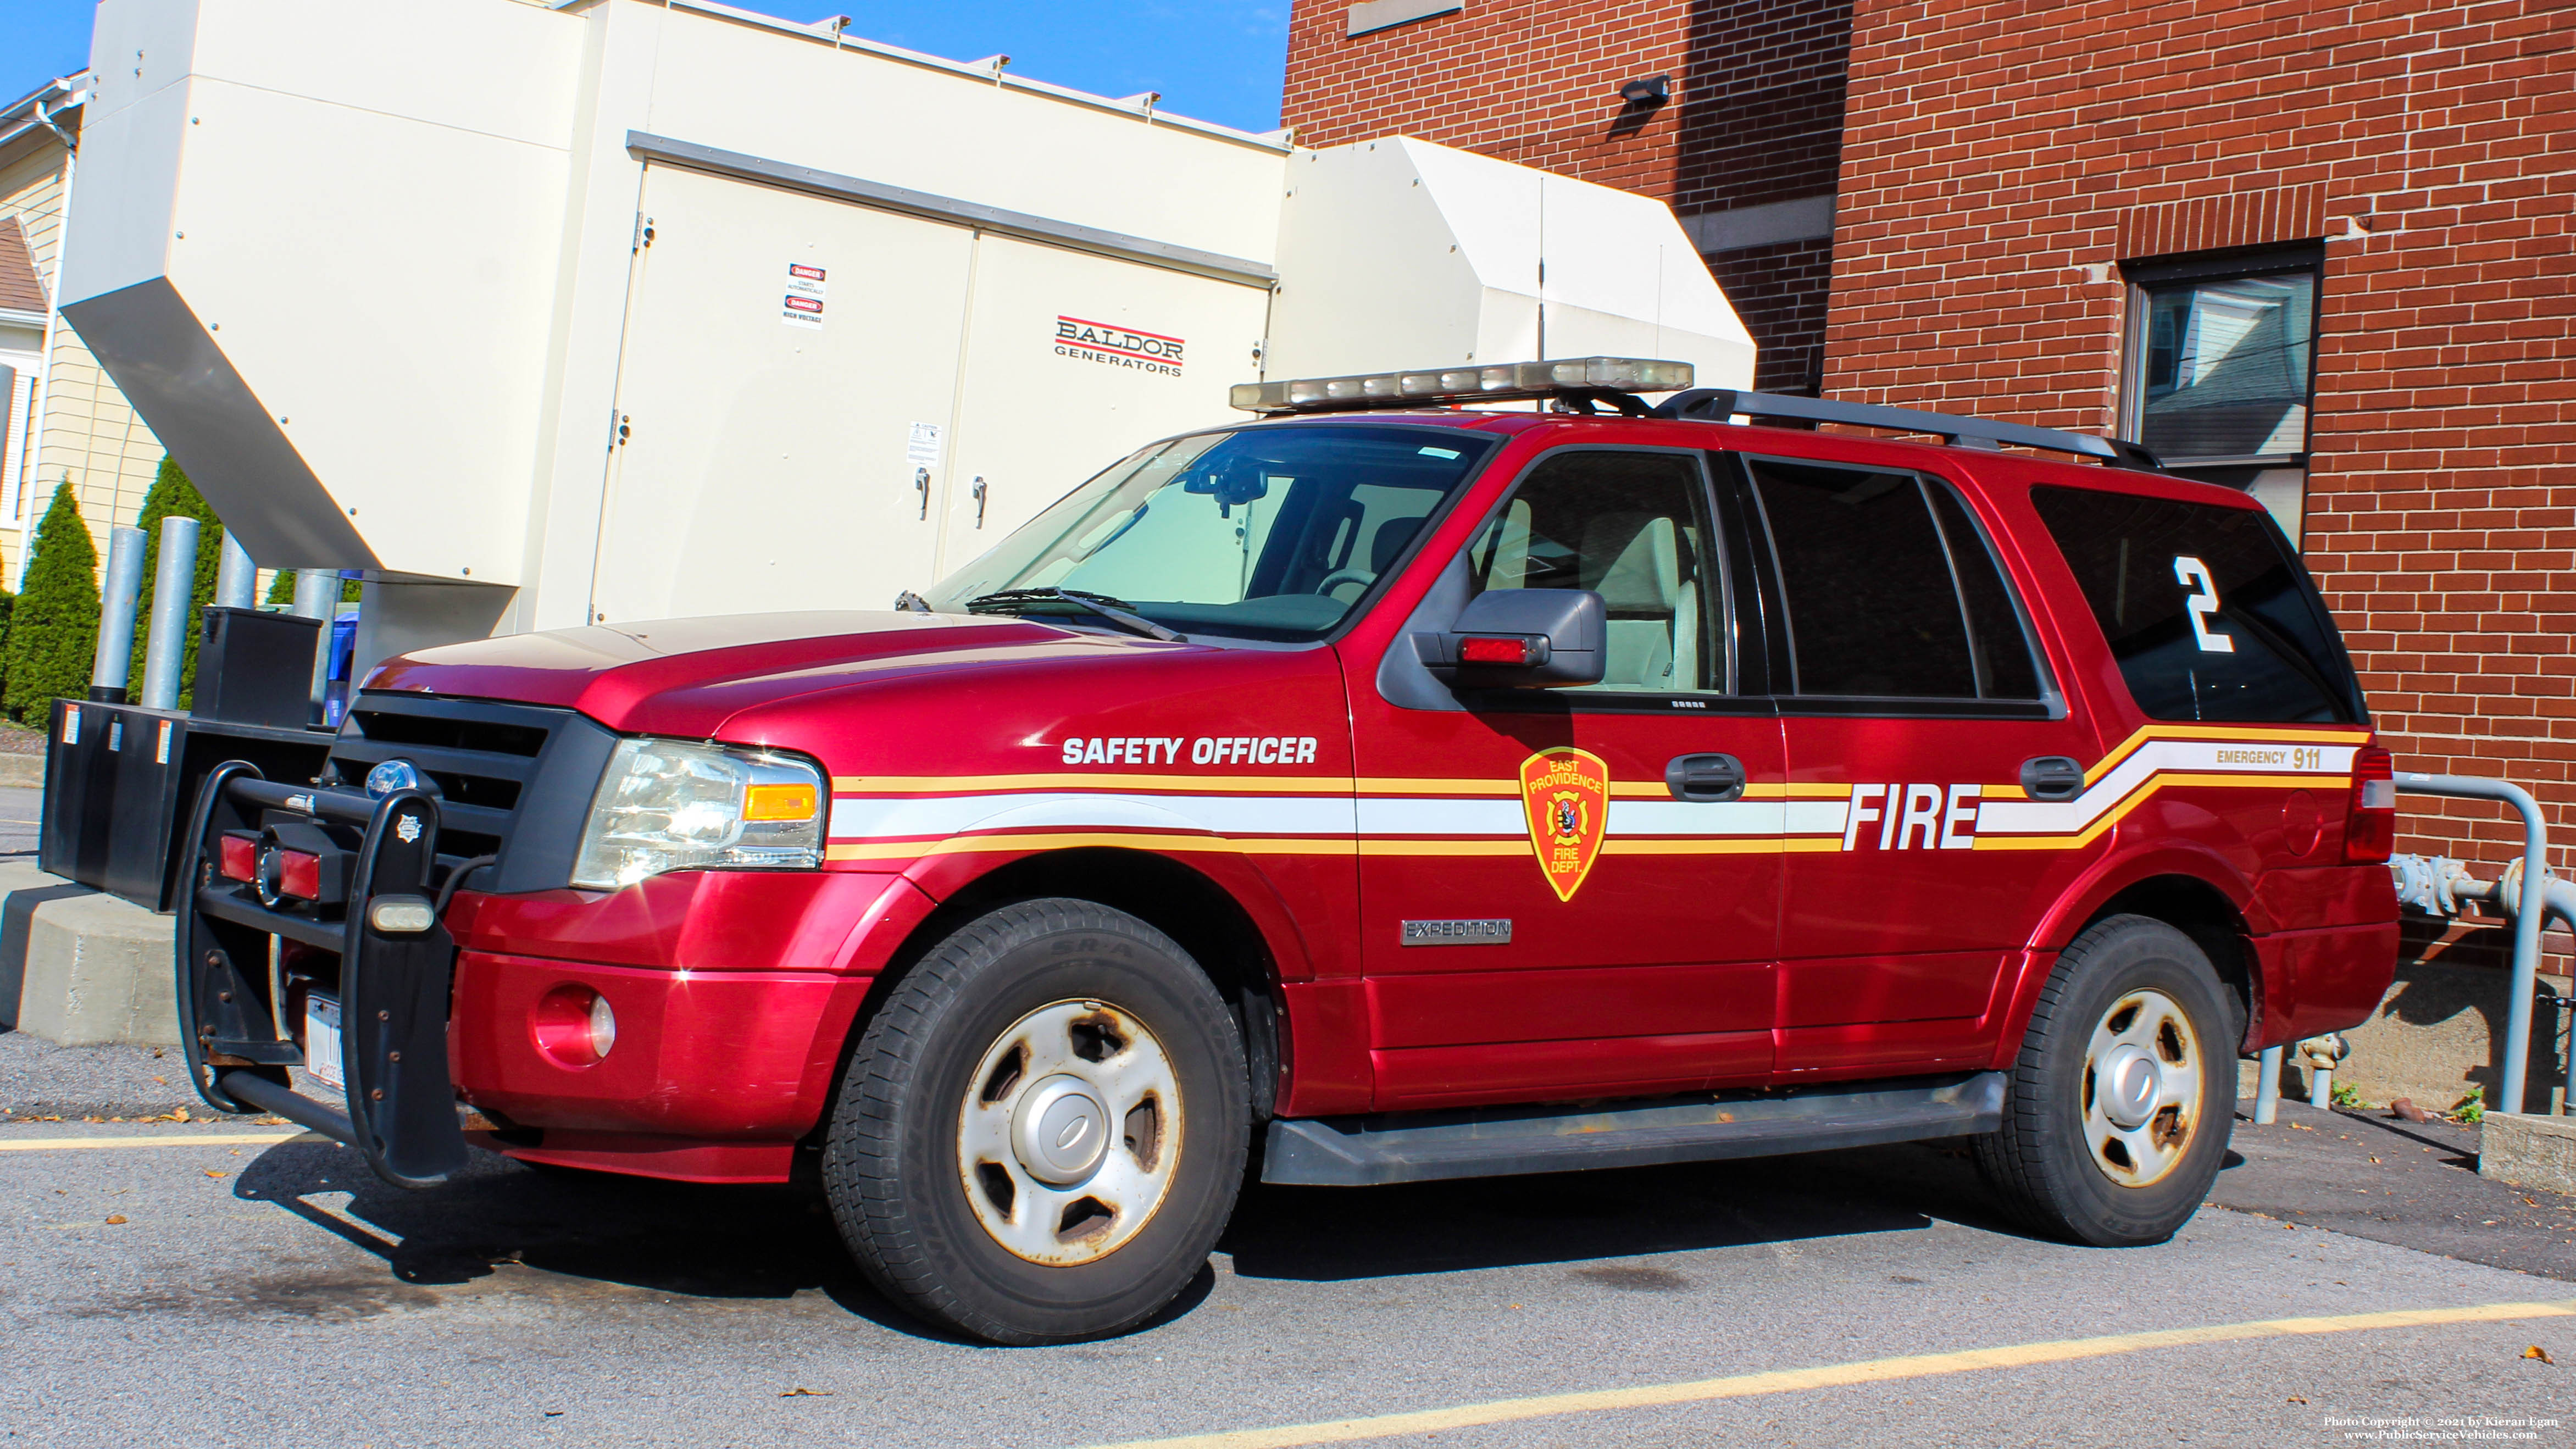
column 1378, row 790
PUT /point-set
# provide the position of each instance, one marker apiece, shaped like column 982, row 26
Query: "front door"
column 1910, row 694
column 1543, row 916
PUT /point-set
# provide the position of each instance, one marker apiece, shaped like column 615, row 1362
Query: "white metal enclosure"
column 494, row 301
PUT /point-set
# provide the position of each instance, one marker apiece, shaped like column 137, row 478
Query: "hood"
column 688, row 676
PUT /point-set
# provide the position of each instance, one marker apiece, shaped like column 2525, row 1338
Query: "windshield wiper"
column 1116, row 611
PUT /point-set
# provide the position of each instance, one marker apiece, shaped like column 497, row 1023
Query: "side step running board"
column 1500, row 1141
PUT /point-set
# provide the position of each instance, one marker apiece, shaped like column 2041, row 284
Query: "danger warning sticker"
column 803, row 305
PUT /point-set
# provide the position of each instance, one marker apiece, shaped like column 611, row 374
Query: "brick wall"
column 2001, row 157
column 1756, row 116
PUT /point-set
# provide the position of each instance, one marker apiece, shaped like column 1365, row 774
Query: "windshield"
column 1266, row 533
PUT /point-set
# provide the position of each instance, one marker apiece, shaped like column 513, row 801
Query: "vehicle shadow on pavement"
column 1326, row 1233
column 679, row 1238
column 580, row 1229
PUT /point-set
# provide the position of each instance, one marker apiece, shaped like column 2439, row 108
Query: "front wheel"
column 1043, row 1129
column 2117, row 1112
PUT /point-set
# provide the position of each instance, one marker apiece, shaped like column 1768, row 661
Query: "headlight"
column 674, row 805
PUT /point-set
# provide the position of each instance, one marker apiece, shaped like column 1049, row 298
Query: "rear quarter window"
column 2207, row 609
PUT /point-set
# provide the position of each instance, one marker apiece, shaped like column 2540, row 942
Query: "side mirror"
column 1523, row 639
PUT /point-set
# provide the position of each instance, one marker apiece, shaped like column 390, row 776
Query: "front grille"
column 514, row 780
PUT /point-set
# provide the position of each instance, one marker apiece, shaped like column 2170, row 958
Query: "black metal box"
column 120, row 780
column 256, row 668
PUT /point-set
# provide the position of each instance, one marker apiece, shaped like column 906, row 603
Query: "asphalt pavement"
column 260, row 1293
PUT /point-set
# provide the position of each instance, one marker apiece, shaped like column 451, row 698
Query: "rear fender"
column 2096, row 889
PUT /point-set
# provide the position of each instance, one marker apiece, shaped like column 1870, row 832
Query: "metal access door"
column 785, row 394
column 1112, row 354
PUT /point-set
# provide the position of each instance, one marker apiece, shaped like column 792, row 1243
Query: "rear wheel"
column 2118, row 1110
column 1042, row 1131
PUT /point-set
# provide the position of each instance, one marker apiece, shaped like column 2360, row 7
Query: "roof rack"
column 1718, row 404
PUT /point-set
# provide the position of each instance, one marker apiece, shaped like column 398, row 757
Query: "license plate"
column 322, row 1039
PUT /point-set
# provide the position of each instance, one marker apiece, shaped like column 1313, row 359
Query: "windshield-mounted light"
column 667, row 805
column 1502, row 382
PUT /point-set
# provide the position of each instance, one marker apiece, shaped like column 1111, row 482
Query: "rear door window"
column 1889, row 588
column 2207, row 608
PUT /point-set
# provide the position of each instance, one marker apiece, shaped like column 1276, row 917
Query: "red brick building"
column 2321, row 251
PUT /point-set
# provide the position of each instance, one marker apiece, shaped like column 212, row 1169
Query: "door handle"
column 1705, row 779
column 2052, row 777
column 979, row 500
column 921, row 481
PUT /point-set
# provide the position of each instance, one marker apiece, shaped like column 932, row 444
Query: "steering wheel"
column 1345, row 576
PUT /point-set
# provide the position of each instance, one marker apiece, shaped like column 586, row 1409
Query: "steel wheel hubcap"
column 1069, row 1133
column 2142, row 1088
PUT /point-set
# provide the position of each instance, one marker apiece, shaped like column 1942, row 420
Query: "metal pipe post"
column 2267, row 1086
column 110, row 670
column 2320, row 1086
column 174, row 588
column 2526, row 919
column 236, row 577
column 317, row 596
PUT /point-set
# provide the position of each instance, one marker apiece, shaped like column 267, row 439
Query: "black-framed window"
column 1633, row 527
column 2221, row 363
column 1889, row 588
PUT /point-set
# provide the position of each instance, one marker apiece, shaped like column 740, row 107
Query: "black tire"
column 891, row 1160
column 2042, row 1162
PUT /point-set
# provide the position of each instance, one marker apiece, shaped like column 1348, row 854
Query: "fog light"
column 603, row 1026
column 574, row 1026
column 401, row 915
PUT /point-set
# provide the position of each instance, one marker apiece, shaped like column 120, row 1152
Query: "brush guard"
column 400, row 1109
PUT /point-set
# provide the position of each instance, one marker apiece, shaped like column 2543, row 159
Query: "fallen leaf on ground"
column 210, row 1172
column 165, row 1081
column 2374, row 1159
column 2296, row 1399
column 802, row 1393
column 2536, row 1351
column 115, row 1219
column 2301, row 1127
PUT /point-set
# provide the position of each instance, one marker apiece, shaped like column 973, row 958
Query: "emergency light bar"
column 1502, row 382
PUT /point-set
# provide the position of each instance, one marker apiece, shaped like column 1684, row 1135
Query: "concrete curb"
column 2522, row 1149
column 79, row 968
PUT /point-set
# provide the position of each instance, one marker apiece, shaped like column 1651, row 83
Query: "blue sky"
column 1212, row 59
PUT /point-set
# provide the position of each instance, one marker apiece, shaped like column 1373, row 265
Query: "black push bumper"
column 237, row 954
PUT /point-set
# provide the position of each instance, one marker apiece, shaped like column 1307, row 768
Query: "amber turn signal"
column 778, row 802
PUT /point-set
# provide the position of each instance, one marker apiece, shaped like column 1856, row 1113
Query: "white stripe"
column 1690, row 817
column 2199, row 757
column 1442, row 817
column 943, row 815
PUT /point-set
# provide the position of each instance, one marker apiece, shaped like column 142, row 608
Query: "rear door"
column 1541, row 915
column 1911, row 696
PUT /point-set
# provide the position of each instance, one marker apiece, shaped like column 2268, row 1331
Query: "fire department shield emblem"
column 1566, row 793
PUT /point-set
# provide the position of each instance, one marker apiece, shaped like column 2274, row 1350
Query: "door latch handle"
column 979, row 500
column 921, row 481
column 2052, row 777
column 1705, row 779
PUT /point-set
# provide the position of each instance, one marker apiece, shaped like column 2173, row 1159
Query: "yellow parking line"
column 193, row 1139
column 1873, row 1371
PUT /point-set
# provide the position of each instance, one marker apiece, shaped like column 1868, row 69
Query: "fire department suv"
column 1374, row 791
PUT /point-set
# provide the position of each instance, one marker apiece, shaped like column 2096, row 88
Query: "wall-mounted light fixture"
column 1648, row 92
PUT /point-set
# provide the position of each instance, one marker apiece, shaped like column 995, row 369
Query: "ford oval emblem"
column 392, row 775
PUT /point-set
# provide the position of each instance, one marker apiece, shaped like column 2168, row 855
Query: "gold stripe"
column 2251, row 734
column 995, row 844
column 2136, row 798
column 998, row 784
column 1839, row 1375
column 192, row 1139
column 1754, row 845
column 1446, row 847
column 2003, row 792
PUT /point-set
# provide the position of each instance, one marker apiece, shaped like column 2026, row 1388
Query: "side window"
column 1889, row 587
column 1631, row 527
column 2207, row 610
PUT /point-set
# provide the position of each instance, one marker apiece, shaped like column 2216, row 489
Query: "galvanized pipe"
column 2526, row 917
column 174, row 588
column 317, row 596
column 236, row 577
column 110, row 670
column 2267, row 1086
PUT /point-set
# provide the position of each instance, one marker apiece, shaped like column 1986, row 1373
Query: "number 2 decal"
column 2203, row 604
